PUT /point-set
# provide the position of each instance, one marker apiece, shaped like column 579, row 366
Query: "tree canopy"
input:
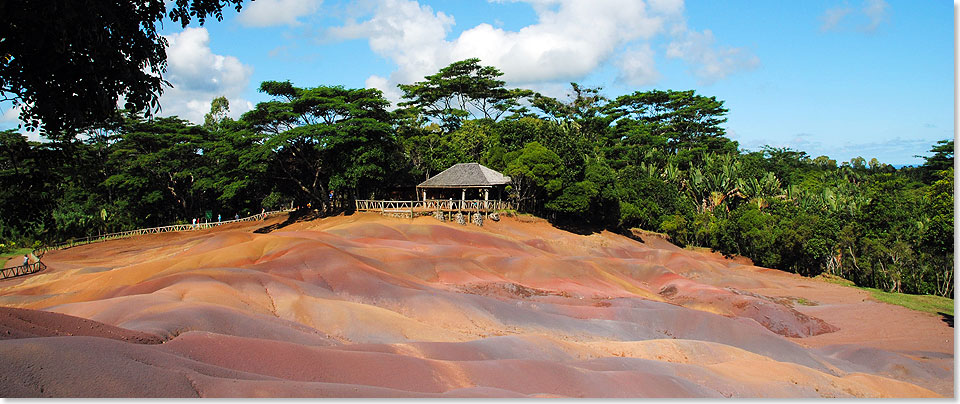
column 325, row 139
column 67, row 64
column 463, row 89
column 655, row 160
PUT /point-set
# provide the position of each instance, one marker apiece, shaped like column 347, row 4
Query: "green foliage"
column 325, row 139
column 925, row 303
column 68, row 65
column 535, row 171
column 941, row 159
column 574, row 199
column 463, row 89
column 690, row 123
column 937, row 234
column 8, row 251
column 272, row 201
column 655, row 160
column 219, row 108
column 159, row 162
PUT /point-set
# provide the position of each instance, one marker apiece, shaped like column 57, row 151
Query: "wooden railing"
column 161, row 229
column 21, row 270
column 39, row 252
column 430, row 205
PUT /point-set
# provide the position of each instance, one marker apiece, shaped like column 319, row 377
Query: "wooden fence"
column 21, row 270
column 429, row 206
column 39, row 252
column 155, row 230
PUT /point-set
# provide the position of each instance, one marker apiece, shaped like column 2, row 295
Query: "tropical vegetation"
column 655, row 160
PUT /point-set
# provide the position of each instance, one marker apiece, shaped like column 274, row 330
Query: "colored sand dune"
column 376, row 307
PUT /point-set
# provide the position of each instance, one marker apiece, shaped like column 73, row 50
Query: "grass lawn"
column 926, row 303
column 12, row 253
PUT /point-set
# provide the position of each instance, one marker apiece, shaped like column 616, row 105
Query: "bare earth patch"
column 367, row 306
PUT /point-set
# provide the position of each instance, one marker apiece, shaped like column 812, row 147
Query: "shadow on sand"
column 947, row 318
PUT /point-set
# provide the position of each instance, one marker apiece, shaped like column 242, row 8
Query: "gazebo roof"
column 465, row 175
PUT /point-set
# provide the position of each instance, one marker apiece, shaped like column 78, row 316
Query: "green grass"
column 649, row 232
column 804, row 302
column 515, row 213
column 925, row 303
column 12, row 253
column 834, row 279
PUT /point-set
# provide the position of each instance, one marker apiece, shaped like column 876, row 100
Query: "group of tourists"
column 198, row 221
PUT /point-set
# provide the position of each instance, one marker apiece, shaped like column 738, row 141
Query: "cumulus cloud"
column 709, row 62
column 411, row 35
column 569, row 40
column 10, row 119
column 10, row 114
column 198, row 76
column 265, row 13
column 870, row 15
column 637, row 66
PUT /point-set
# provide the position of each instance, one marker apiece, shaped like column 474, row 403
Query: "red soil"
column 366, row 306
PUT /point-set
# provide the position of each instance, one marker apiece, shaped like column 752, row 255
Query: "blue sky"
column 870, row 78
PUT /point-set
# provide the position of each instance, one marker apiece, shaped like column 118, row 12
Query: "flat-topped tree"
column 462, row 90
column 689, row 123
column 325, row 138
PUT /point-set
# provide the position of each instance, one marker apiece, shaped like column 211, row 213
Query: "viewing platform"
column 431, row 206
column 465, row 191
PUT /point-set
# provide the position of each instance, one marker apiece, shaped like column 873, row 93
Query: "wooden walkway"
column 39, row 252
column 430, row 206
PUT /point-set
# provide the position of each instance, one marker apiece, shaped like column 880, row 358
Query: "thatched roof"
column 466, row 175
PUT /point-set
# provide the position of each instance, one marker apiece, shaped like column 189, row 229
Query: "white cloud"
column 265, row 13
column 10, row 119
column 198, row 76
column 390, row 92
column 876, row 12
column 832, row 17
column 570, row 39
column 710, row 63
column 871, row 14
column 10, row 114
column 411, row 35
column 637, row 67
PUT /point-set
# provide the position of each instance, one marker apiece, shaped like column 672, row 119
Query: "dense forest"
column 655, row 160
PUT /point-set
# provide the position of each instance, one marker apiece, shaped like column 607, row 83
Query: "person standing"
column 26, row 259
column 218, row 218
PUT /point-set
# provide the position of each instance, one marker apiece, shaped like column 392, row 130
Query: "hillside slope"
column 364, row 305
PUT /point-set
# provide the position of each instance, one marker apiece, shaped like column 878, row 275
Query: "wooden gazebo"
column 464, row 181
column 464, row 189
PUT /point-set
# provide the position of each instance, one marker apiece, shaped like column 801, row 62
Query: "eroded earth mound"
column 370, row 306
